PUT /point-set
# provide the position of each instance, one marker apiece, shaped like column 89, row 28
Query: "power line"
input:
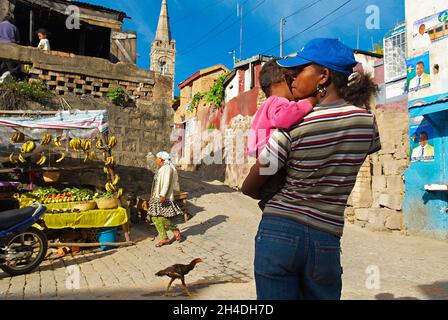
column 189, row 16
column 263, row 32
column 301, row 32
column 225, row 29
column 206, row 35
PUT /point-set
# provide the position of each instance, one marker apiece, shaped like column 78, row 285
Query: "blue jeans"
column 296, row 262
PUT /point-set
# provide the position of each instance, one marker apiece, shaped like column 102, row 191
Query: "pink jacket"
column 275, row 113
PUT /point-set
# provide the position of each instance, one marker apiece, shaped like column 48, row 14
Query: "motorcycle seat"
column 13, row 217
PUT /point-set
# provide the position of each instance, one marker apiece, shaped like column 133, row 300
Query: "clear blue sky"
column 206, row 30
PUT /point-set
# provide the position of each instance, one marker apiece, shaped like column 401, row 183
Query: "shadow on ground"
column 55, row 262
column 434, row 291
column 202, row 228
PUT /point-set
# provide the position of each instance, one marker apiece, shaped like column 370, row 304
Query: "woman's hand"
column 254, row 181
column 162, row 199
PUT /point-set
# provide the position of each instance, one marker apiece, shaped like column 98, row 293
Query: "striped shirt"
column 322, row 155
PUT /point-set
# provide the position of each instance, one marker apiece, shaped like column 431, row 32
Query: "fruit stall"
column 38, row 147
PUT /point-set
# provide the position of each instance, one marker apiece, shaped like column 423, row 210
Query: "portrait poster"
column 422, row 135
column 418, row 73
column 429, row 30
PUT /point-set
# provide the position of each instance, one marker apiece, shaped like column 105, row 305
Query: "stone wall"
column 140, row 129
column 376, row 201
column 66, row 73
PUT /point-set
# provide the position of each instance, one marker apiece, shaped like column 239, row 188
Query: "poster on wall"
column 430, row 29
column 422, row 134
column 418, row 73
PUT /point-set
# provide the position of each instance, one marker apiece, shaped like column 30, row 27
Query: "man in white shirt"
column 424, row 152
column 422, row 39
column 421, row 80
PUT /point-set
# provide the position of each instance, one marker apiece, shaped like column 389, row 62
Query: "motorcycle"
column 22, row 246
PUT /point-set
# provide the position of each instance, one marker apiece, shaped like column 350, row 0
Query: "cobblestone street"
column 221, row 232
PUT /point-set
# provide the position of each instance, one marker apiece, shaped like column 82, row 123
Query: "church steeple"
column 163, row 32
column 163, row 49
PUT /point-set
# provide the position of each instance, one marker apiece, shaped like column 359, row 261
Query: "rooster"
column 178, row 271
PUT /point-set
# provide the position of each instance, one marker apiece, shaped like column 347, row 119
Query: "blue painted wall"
column 427, row 212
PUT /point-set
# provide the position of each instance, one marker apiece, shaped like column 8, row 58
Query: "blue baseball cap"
column 330, row 53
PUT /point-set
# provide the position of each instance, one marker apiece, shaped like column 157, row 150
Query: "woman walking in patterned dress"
column 162, row 205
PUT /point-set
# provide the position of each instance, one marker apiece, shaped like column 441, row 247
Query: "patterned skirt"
column 168, row 209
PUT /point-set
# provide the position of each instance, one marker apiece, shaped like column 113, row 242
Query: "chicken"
column 178, row 271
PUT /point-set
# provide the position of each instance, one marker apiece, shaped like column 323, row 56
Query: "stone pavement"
column 222, row 232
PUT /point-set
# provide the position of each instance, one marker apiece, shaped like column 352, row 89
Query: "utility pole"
column 282, row 23
column 233, row 53
column 240, row 14
column 357, row 40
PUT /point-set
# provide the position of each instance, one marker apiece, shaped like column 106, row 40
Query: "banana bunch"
column 62, row 157
column 116, row 180
column 42, row 160
column 28, row 147
column 11, row 159
column 22, row 159
column 86, row 145
column 57, row 142
column 112, row 142
column 75, row 144
column 46, row 139
column 110, row 161
column 110, row 187
column 93, row 156
column 18, row 137
column 106, row 170
column 100, row 144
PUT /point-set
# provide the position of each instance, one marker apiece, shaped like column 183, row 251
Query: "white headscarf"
column 165, row 156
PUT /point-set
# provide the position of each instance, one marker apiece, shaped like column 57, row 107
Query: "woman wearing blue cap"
column 297, row 248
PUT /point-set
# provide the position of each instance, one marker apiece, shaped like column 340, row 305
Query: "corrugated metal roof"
column 95, row 7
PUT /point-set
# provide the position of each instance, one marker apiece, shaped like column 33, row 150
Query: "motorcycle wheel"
column 35, row 242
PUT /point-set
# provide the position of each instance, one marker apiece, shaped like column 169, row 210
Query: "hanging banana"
column 110, row 187
column 28, row 147
column 116, row 180
column 57, row 142
column 22, row 159
column 42, row 160
column 18, row 137
column 112, row 142
column 46, row 139
column 62, row 157
column 11, row 159
column 100, row 144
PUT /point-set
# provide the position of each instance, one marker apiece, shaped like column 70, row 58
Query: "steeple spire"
column 163, row 32
column 163, row 48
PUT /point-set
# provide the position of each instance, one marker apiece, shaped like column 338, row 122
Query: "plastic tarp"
column 80, row 220
column 87, row 219
column 68, row 124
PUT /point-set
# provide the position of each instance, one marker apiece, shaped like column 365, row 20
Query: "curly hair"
column 358, row 92
column 272, row 73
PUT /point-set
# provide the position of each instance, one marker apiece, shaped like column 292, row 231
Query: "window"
column 395, row 55
column 163, row 67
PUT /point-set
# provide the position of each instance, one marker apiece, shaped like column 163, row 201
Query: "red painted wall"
column 245, row 104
